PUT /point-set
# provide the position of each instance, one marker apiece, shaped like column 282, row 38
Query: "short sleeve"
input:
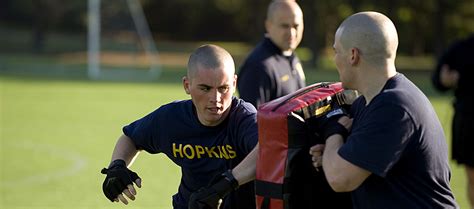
column 249, row 137
column 379, row 138
column 243, row 126
column 143, row 131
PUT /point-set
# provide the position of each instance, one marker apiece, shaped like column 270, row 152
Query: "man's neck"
column 375, row 83
column 287, row 53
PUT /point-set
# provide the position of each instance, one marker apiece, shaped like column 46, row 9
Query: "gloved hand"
column 328, row 125
column 117, row 179
column 208, row 197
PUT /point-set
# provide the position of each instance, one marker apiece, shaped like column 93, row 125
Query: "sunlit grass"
column 54, row 121
column 50, row 126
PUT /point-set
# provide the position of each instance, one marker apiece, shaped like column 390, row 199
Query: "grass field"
column 57, row 134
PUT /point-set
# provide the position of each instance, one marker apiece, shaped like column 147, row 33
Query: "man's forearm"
column 341, row 175
column 245, row 170
column 125, row 149
column 330, row 156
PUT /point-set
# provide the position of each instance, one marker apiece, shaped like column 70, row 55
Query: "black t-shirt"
column 202, row 152
column 459, row 58
column 399, row 139
column 267, row 74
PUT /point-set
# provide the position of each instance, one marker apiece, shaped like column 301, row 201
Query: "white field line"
column 77, row 163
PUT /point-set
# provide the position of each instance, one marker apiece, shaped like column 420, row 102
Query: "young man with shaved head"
column 395, row 155
column 206, row 136
column 273, row 69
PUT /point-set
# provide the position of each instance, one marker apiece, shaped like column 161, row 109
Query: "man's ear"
column 355, row 56
column 235, row 80
column 267, row 26
column 186, row 85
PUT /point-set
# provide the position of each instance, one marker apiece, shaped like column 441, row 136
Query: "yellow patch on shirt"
column 300, row 71
column 285, row 78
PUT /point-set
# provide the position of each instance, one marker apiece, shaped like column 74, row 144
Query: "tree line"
column 424, row 26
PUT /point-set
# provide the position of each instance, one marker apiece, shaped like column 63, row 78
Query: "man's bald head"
column 210, row 57
column 284, row 25
column 285, row 6
column 372, row 33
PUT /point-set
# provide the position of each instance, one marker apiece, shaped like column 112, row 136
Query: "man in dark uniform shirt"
column 455, row 70
column 206, row 136
column 395, row 155
column 273, row 69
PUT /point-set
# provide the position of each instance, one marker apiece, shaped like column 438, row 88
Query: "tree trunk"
column 439, row 27
column 310, row 37
column 39, row 26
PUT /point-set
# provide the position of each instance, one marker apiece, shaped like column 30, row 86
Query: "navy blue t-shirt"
column 201, row 151
column 459, row 58
column 267, row 74
column 399, row 138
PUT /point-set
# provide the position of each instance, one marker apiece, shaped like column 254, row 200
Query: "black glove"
column 208, row 197
column 328, row 125
column 118, row 177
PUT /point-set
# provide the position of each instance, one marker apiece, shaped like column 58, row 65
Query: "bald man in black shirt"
column 273, row 69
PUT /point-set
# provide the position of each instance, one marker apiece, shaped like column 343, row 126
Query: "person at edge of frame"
column 453, row 71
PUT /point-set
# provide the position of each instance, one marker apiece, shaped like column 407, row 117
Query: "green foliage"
column 424, row 27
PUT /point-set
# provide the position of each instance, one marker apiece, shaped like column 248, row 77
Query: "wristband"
column 229, row 177
column 117, row 163
column 336, row 128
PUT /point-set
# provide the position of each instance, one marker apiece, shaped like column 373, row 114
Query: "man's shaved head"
column 210, row 57
column 282, row 5
column 284, row 25
column 211, row 82
column 372, row 33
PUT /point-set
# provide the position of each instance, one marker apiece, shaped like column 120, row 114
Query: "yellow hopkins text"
column 197, row 151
